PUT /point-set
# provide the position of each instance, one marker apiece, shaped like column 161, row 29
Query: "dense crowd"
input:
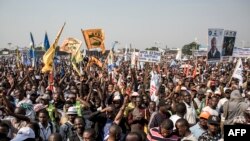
column 114, row 106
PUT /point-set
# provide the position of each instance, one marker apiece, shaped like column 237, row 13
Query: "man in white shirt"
column 25, row 103
column 211, row 108
column 223, row 100
column 190, row 115
column 180, row 112
column 46, row 128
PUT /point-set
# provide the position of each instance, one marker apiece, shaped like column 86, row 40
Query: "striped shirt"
column 154, row 135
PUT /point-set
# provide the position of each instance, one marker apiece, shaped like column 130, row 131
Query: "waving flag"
column 46, row 42
column 48, row 57
column 72, row 45
column 238, row 72
column 93, row 60
column 32, row 50
column 32, row 46
column 110, row 61
column 94, row 38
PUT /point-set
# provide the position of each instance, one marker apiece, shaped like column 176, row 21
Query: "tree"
column 187, row 49
column 153, row 49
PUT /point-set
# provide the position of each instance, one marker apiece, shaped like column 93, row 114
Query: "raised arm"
column 121, row 111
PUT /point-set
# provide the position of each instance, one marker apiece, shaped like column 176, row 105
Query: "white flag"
column 178, row 55
column 238, row 72
column 154, row 86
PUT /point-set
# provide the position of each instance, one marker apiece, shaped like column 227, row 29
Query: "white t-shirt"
column 190, row 137
column 210, row 111
column 221, row 102
column 190, row 115
column 174, row 118
column 198, row 102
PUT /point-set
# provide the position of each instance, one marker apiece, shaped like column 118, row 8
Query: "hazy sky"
column 139, row 22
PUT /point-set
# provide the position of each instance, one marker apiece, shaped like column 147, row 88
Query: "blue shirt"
column 106, row 128
column 197, row 130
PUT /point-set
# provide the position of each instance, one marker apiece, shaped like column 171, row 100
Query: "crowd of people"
column 118, row 106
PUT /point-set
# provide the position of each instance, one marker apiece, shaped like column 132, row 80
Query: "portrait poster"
column 228, row 44
column 215, row 40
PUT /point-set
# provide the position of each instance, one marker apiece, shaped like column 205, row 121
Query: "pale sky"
column 138, row 22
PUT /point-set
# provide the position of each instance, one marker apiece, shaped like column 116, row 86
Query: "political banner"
column 228, row 44
column 241, row 52
column 199, row 53
column 215, row 40
column 94, row 38
column 70, row 45
column 149, row 56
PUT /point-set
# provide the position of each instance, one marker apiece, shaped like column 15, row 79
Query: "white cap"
column 24, row 133
column 72, row 111
column 209, row 91
column 134, row 94
column 116, row 97
column 183, row 88
column 116, row 93
column 128, row 76
column 217, row 92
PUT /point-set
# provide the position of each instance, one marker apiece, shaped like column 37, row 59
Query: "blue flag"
column 32, row 51
column 32, row 48
column 46, row 42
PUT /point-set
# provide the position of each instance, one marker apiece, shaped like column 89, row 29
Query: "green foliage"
column 153, row 49
column 187, row 49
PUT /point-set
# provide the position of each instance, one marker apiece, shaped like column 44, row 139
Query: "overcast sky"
column 142, row 23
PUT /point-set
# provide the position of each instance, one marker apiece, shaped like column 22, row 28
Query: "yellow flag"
column 71, row 45
column 93, row 60
column 18, row 58
column 48, row 57
column 94, row 38
column 76, row 69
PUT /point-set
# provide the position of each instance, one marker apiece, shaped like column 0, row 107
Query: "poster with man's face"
column 215, row 38
column 228, row 44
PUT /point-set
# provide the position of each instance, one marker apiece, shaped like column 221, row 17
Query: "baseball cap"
column 213, row 120
column 116, row 97
column 217, row 92
column 183, row 88
column 134, row 94
column 204, row 115
column 209, row 91
column 24, row 133
column 72, row 111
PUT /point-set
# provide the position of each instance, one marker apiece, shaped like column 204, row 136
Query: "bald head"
column 115, row 131
column 55, row 137
column 133, row 136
